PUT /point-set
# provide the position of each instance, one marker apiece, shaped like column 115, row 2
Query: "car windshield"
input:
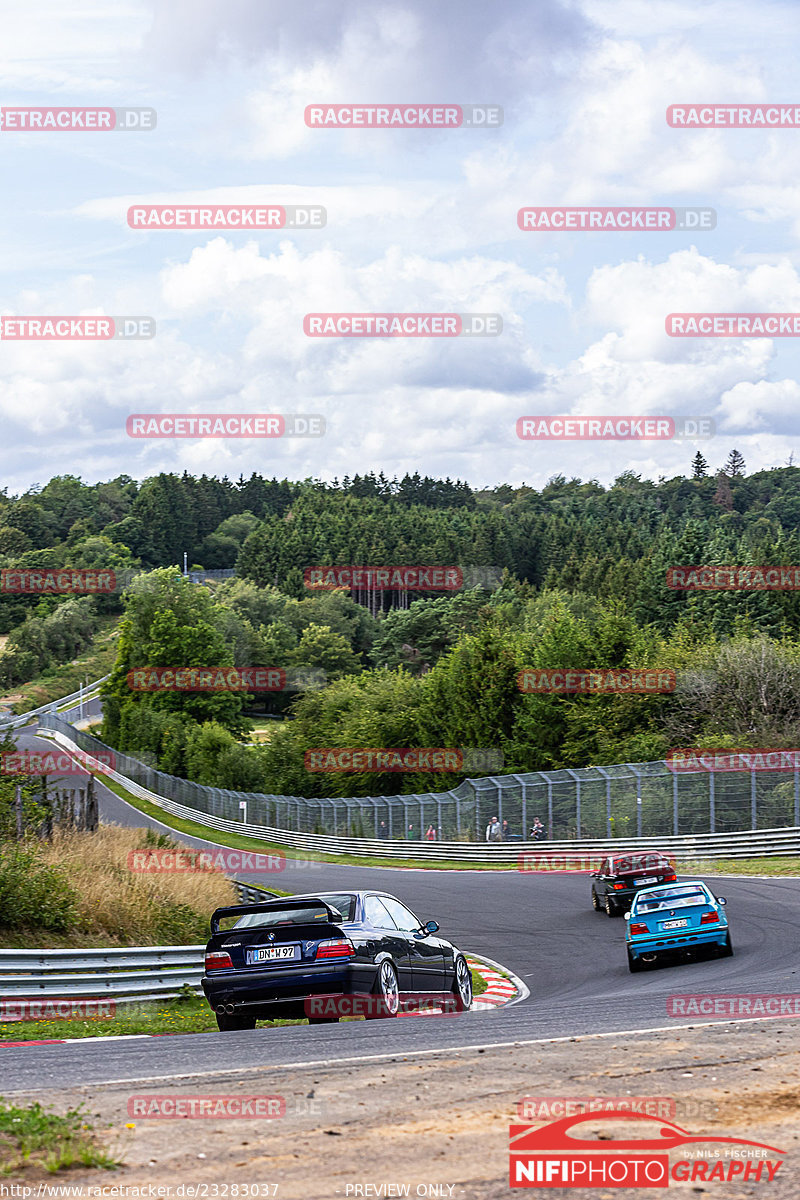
column 684, row 898
column 344, row 904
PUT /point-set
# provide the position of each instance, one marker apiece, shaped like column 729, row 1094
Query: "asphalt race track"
column 541, row 927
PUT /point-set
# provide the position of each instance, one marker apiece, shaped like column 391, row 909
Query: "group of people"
column 497, row 832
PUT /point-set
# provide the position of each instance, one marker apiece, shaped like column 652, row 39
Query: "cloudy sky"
column 417, row 221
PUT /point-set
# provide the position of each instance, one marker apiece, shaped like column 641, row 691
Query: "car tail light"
column 218, row 960
column 709, row 918
column 668, row 878
column 617, row 886
column 336, row 948
column 639, row 927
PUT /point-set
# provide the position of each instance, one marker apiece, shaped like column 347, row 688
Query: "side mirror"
column 721, row 900
column 627, row 916
column 431, row 926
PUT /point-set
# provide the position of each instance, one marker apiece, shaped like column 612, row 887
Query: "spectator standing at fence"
column 538, row 831
column 494, row 830
column 430, row 834
column 506, row 831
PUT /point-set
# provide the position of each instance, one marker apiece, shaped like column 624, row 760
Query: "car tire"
column 634, row 964
column 387, row 990
column 462, row 984
column 596, row 905
column 228, row 1022
column 611, row 909
column 726, row 949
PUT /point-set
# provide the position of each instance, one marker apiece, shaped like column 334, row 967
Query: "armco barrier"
column 760, row 843
column 623, row 800
column 126, row 974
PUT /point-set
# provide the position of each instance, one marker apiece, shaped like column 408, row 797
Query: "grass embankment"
column 78, row 891
column 96, row 661
column 33, row 1137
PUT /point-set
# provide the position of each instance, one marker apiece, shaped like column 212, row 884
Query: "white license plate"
column 648, row 879
column 674, row 924
column 272, row 953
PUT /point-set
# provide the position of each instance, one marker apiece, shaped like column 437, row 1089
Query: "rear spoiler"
column 240, row 910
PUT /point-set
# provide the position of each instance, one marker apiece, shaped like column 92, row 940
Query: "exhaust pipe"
column 226, row 1008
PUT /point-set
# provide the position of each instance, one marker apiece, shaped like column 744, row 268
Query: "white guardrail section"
column 125, row 975
column 754, row 843
column 54, row 706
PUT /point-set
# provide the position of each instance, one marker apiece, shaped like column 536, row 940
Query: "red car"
column 621, row 875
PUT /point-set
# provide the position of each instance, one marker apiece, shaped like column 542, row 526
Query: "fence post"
column 550, row 809
column 91, row 807
column 712, row 819
column 753, row 812
column 638, row 806
column 577, row 808
column 458, row 814
column 675, row 804
column 797, row 796
column 524, row 811
column 608, row 806
column 18, row 810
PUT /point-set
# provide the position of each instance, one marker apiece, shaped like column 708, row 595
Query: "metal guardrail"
column 52, row 707
column 126, row 974
column 752, row 843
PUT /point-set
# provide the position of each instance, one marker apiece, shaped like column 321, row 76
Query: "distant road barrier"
column 755, row 843
column 52, row 707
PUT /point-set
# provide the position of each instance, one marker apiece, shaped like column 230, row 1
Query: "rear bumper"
column 253, row 989
column 670, row 943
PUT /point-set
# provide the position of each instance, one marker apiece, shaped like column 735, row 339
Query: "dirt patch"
column 441, row 1122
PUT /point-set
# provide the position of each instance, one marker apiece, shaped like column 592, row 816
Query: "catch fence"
column 622, row 801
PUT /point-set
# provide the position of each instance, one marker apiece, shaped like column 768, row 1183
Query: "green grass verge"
column 34, row 1137
column 190, row 1014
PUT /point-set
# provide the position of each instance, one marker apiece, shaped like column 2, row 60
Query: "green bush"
column 32, row 893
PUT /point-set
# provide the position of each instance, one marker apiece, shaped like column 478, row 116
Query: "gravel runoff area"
column 437, row 1124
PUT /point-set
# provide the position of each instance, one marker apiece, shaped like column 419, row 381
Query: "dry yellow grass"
column 119, row 906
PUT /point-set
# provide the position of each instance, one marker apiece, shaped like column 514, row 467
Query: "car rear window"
column 685, row 898
column 648, row 865
column 296, row 916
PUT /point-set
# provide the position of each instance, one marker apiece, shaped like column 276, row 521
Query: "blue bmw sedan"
column 678, row 919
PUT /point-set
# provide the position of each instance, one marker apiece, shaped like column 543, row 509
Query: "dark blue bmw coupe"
column 326, row 956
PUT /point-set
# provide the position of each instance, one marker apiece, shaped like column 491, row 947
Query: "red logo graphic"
column 357, row 758
column 745, row 1004
column 734, row 579
column 439, row 1004
column 54, row 1009
column 58, row 581
column 566, row 680
column 51, row 762
column 733, row 116
column 168, row 1108
column 731, row 759
column 721, row 325
column 385, row 579
column 157, row 860
column 556, row 1155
